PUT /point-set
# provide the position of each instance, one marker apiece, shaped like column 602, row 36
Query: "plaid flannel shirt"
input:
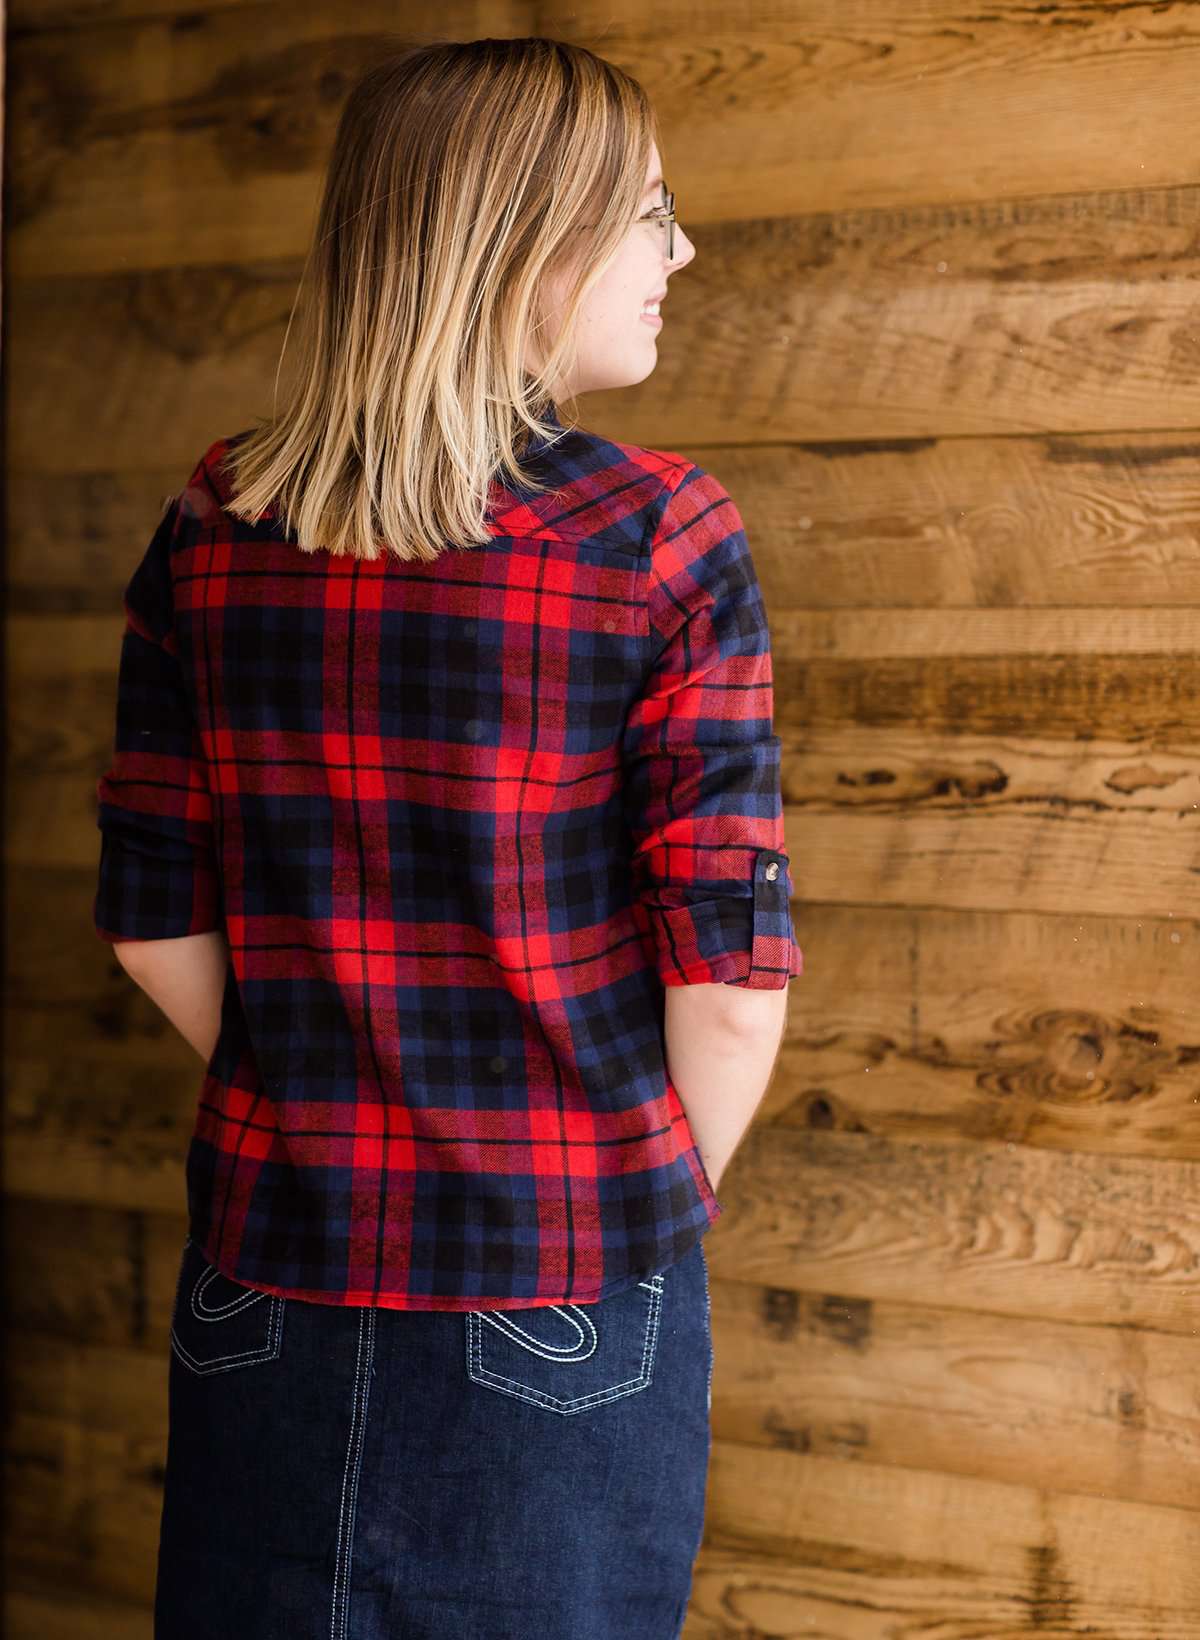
column 461, row 823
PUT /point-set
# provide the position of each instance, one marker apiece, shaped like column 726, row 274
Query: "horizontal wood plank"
column 1110, row 1411
column 1027, row 819
column 1076, row 533
column 803, row 1544
column 195, row 135
column 241, row 100
column 1058, row 1032
column 1000, row 1228
column 873, row 325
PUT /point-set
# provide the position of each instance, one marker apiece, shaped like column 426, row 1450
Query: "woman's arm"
column 184, row 977
column 722, row 1043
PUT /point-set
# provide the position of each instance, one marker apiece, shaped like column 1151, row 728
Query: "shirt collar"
column 540, row 442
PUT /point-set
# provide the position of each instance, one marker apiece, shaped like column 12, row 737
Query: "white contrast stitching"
column 220, row 1311
column 226, row 1363
column 526, row 1392
column 354, row 1450
column 707, row 1320
column 550, row 1352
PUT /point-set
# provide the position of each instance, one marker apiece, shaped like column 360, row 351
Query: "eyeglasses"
column 664, row 213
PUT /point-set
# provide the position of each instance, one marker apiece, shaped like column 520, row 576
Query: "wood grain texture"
column 802, row 1544
column 1113, row 1411
column 1007, row 819
column 977, row 320
column 199, row 135
column 1057, row 1032
column 1105, row 523
column 1018, row 523
column 1002, row 1228
column 1061, row 314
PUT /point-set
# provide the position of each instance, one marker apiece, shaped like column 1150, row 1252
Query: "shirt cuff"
column 160, row 890
column 741, row 934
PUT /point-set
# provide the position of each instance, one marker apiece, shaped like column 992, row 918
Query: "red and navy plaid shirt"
column 461, row 822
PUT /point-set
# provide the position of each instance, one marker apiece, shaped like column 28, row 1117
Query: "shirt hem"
column 456, row 1304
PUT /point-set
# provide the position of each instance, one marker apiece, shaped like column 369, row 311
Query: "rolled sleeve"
column 158, row 876
column 701, row 763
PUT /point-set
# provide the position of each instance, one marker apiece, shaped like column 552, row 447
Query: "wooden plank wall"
column 942, row 341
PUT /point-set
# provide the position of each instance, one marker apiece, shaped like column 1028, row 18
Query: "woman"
column 444, row 815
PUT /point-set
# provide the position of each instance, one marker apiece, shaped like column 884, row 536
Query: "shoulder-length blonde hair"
column 461, row 175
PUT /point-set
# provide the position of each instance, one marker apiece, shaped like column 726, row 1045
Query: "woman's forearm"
column 721, row 1049
column 185, row 978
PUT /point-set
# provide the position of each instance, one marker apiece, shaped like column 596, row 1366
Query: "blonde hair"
column 461, row 175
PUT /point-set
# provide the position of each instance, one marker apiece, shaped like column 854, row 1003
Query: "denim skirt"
column 357, row 1473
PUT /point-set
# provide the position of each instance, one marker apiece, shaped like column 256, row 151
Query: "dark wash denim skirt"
column 357, row 1473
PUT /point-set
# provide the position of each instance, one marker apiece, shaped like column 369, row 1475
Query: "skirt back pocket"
column 218, row 1325
column 569, row 1358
